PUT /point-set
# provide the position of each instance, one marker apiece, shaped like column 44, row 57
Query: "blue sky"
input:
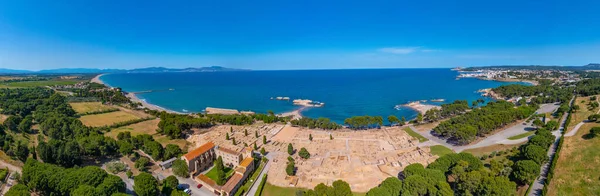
column 284, row 34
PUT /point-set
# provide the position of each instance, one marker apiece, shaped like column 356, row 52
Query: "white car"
column 188, row 191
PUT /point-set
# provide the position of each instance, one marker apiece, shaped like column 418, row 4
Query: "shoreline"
column 97, row 79
column 296, row 114
column 421, row 108
column 532, row 82
column 133, row 97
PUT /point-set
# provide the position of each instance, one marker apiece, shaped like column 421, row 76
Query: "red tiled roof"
column 198, row 151
column 232, row 182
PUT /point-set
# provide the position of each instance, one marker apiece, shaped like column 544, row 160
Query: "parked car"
column 188, row 191
column 199, row 186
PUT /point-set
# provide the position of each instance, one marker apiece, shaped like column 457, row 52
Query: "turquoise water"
column 345, row 93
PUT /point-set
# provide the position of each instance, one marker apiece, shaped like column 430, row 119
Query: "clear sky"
column 306, row 34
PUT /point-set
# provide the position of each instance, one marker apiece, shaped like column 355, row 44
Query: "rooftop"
column 232, row 182
column 246, row 162
column 198, row 151
column 229, row 151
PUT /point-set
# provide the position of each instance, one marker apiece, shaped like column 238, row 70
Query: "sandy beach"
column 145, row 104
column 421, row 108
column 97, row 79
column 295, row 114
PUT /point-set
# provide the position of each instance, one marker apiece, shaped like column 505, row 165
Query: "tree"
column 402, row 120
column 125, row 148
column 18, row 190
column 414, row 185
column 392, row 185
column 231, row 129
column 145, row 185
column 264, row 139
column 525, row 171
column 25, row 124
column 180, row 168
column 227, row 136
column 594, row 117
column 169, row 184
column 255, row 147
column 304, row 153
column 393, row 120
column 172, row 150
column 341, row 188
column 330, row 136
column 245, row 132
column 12, row 122
column 84, row 190
column 538, row 123
column 535, row 153
column 263, row 151
column 233, row 141
column 141, row 163
column 419, row 117
column 220, row 168
column 551, row 125
column 256, row 134
column 290, row 149
column 310, row 137
column 290, row 168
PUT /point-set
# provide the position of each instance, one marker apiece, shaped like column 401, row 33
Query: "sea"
column 346, row 93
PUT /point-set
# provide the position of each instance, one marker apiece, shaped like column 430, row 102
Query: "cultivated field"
column 147, row 127
column 84, row 107
column 577, row 171
column 99, row 120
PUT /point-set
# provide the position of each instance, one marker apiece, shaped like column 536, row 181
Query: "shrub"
column 116, row 167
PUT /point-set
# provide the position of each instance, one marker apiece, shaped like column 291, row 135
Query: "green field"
column 440, row 150
column 212, row 174
column 415, row 134
column 522, row 135
column 28, row 84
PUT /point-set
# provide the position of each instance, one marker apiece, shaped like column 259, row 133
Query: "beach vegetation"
column 320, row 123
column 364, row 122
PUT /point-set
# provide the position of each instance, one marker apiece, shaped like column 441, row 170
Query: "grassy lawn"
column 582, row 114
column 440, row 150
column 415, row 134
column 522, row 135
column 577, row 171
column 272, row 190
column 84, row 107
column 99, row 120
column 212, row 174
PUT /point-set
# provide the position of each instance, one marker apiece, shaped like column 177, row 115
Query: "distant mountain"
column 138, row 70
column 13, row 71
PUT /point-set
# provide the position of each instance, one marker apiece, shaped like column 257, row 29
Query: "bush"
column 3, row 174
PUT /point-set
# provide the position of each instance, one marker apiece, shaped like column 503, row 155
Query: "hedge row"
column 124, row 123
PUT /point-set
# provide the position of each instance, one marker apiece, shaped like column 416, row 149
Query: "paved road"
column 538, row 184
column 254, row 187
column 498, row 138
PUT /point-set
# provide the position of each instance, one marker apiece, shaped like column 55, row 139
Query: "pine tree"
column 264, row 139
column 263, row 151
column 233, row 141
column 310, row 137
column 245, row 132
column 290, row 149
column 255, row 147
column 227, row 136
column 231, row 129
column 256, row 134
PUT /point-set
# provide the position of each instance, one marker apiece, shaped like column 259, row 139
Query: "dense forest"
column 481, row 121
column 448, row 110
